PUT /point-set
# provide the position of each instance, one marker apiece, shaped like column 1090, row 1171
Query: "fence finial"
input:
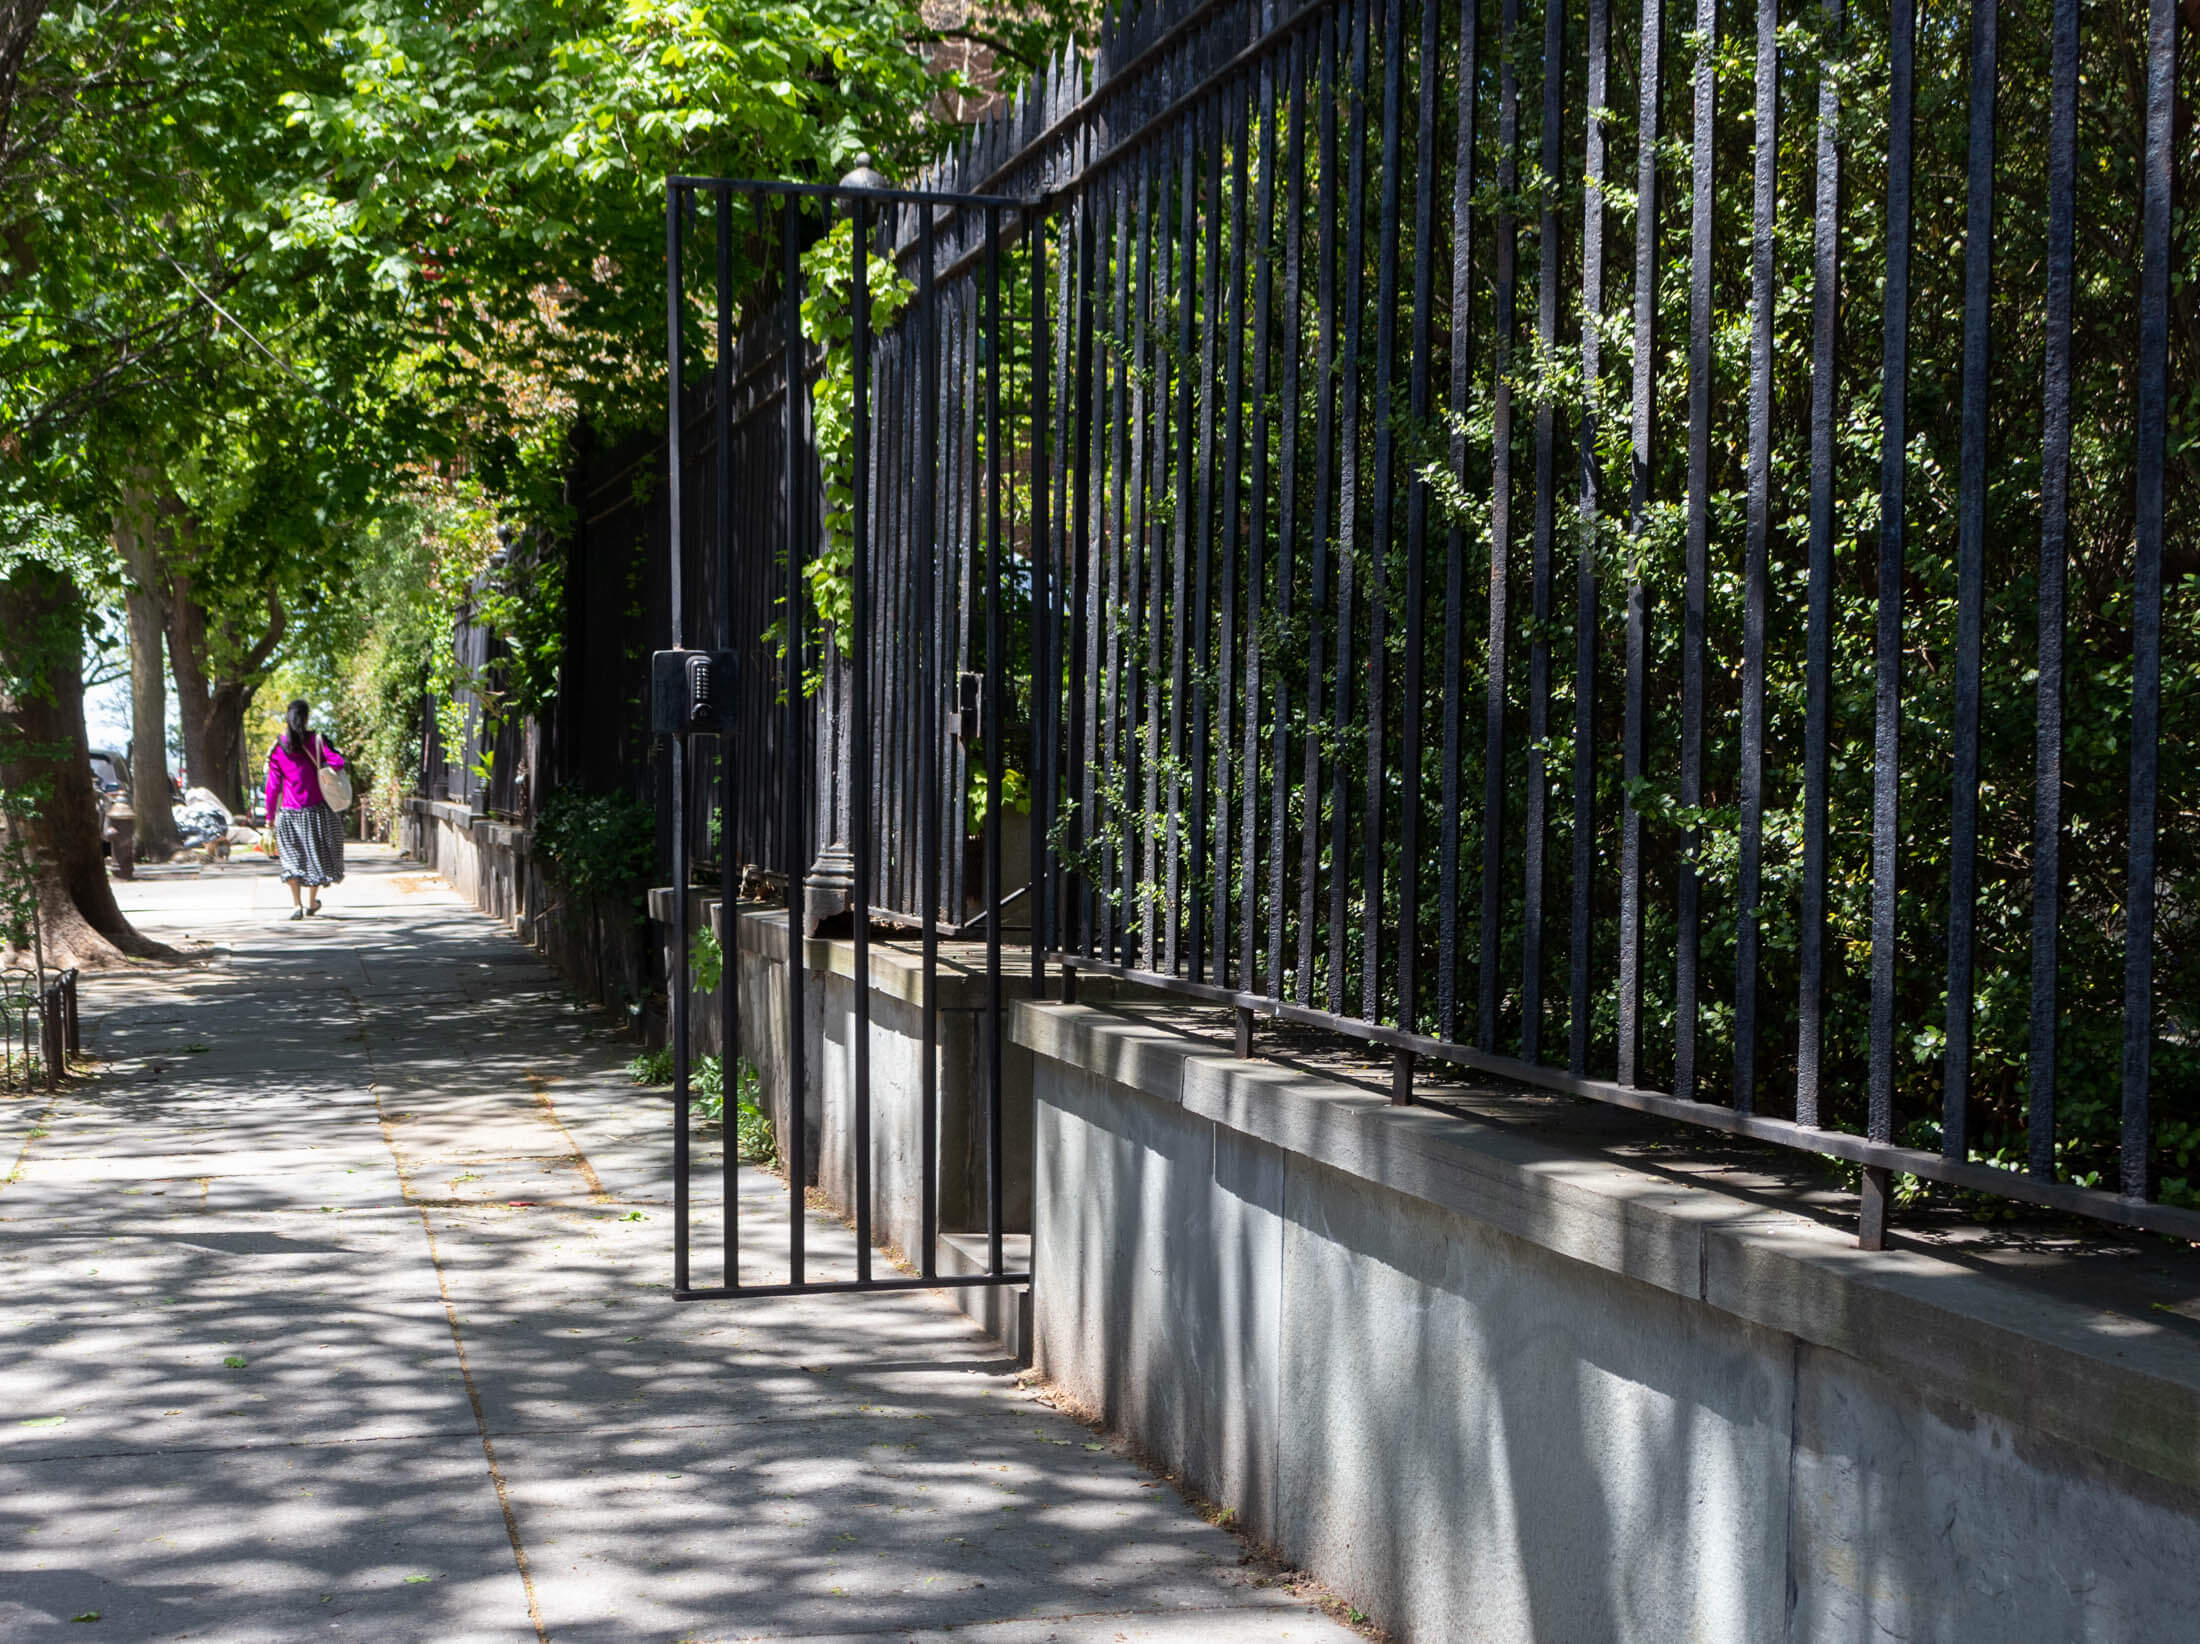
column 864, row 176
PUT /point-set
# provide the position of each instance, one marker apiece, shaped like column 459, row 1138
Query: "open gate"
column 851, row 582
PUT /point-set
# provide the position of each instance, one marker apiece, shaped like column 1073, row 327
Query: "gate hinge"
column 691, row 691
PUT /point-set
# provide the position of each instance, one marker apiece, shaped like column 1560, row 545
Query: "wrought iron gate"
column 826, row 704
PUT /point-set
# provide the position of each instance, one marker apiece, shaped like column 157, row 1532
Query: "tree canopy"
column 281, row 278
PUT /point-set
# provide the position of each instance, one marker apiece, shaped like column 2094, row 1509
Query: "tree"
column 261, row 259
column 46, row 802
column 139, row 285
column 140, row 524
column 508, row 159
column 18, row 28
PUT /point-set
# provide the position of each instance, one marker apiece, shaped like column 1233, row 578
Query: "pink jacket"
column 291, row 778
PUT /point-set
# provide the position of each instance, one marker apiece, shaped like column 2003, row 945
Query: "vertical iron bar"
column 1412, row 686
column 675, row 305
column 907, row 628
column 1325, row 402
column 1696, row 597
column 1233, row 526
column 1978, row 270
column 729, row 852
column 1764, row 205
column 1276, row 980
column 1585, row 576
column 1125, row 582
column 1818, row 641
column 1455, row 539
column 1202, row 578
column 1256, row 541
column 929, row 728
column 859, row 733
column 1348, row 501
column 1137, row 824
column 1107, row 593
column 996, row 664
column 1060, row 615
column 1154, row 312
column 1044, row 692
column 1078, row 522
column 2146, row 666
column 793, row 764
column 1493, row 735
column 1180, row 550
column 1380, row 523
column 1537, row 826
column 1641, row 425
column 965, row 598
column 1114, row 909
column 1894, row 435
column 2062, row 216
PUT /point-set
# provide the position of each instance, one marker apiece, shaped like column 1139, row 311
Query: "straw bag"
column 335, row 784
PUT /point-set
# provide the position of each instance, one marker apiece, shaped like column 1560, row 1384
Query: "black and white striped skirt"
column 310, row 844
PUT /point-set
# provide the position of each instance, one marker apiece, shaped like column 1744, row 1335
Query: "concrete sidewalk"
column 337, row 1306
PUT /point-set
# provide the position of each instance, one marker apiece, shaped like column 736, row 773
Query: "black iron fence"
column 475, row 749
column 1676, row 614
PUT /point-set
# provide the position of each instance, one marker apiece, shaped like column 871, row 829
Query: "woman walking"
column 309, row 837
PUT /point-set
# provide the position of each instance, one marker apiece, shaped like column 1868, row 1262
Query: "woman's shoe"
column 313, row 907
column 297, row 913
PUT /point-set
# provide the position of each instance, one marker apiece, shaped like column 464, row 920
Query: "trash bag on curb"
column 202, row 818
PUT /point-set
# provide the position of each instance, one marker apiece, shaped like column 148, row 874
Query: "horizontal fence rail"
column 1629, row 549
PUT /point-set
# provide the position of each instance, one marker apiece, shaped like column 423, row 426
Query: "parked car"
column 110, row 786
column 110, row 771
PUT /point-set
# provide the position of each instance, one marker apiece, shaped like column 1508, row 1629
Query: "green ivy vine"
column 828, row 320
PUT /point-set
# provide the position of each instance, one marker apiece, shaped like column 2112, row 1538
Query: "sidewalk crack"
column 458, row 1335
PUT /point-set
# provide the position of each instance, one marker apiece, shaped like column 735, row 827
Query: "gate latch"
column 691, row 691
column 965, row 723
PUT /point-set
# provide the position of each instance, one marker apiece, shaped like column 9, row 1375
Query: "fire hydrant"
column 122, row 838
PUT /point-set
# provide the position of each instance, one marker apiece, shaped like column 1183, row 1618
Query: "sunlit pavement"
column 337, row 1305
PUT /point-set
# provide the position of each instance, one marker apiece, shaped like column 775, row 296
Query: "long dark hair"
column 294, row 733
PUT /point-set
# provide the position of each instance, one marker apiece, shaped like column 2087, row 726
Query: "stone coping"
column 510, row 835
column 2123, row 1388
column 897, row 968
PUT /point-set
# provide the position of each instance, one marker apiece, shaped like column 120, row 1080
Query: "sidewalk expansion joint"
column 458, row 1342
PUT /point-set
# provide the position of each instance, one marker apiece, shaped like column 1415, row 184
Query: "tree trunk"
column 225, row 750
column 45, row 769
column 138, row 534
column 212, row 703
column 186, row 656
column 157, row 839
column 18, row 28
